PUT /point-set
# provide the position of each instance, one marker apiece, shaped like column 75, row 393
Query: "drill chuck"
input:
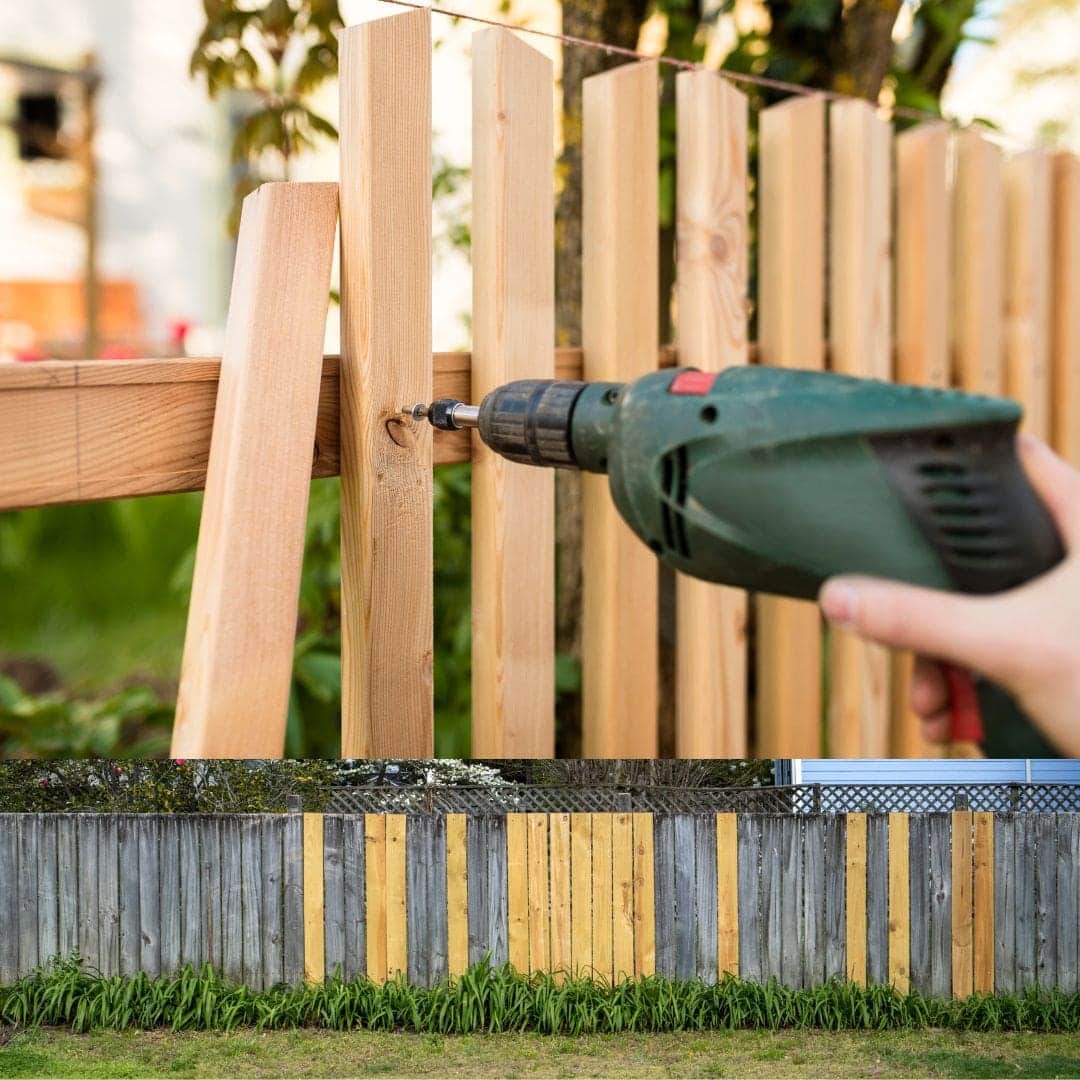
column 529, row 421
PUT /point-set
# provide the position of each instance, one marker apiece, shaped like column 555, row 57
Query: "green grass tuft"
column 499, row 999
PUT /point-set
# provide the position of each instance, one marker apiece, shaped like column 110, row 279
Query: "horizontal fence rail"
column 943, row 903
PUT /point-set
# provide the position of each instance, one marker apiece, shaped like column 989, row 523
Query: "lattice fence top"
column 797, row 799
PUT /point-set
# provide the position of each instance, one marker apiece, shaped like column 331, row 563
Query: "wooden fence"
column 945, row 903
column 949, row 262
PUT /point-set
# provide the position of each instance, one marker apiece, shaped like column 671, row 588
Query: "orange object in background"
column 56, row 312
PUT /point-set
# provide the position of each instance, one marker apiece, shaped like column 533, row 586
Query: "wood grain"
column 860, row 319
column 602, row 907
column 513, row 323
column 962, row 904
column 711, row 297
column 899, row 904
column 1065, row 311
column 397, row 954
column 539, row 908
column 581, row 947
column 314, row 914
column 923, row 328
column 644, row 896
column 619, row 333
column 517, row 891
column 241, row 628
column 727, row 895
column 622, row 877
column 855, row 898
column 791, row 330
column 81, row 430
column 979, row 265
column 559, row 857
column 983, row 899
column 1028, row 222
column 375, row 894
column 386, row 483
column 457, row 894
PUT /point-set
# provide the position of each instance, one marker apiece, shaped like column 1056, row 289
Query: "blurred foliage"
column 170, row 787
column 278, row 53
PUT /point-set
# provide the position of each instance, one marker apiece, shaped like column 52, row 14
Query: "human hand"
column 1026, row 640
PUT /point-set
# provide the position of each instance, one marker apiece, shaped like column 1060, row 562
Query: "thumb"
column 970, row 632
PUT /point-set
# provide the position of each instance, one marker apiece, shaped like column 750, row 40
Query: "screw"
column 419, row 411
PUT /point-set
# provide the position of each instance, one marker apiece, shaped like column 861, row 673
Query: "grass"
column 499, row 1000
column 48, row 1052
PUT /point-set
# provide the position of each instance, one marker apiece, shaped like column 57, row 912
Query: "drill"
column 773, row 480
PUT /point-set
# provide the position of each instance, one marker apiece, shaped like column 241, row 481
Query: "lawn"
column 742, row 1053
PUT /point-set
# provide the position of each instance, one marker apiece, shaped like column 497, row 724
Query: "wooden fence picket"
column 711, row 284
column 791, row 333
column 1065, row 311
column 513, row 325
column 619, row 328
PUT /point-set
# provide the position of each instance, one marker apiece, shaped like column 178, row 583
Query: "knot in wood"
column 719, row 247
column 401, row 433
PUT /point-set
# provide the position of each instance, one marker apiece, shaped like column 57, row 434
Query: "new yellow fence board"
column 559, row 855
column 962, row 899
column 983, row 897
column 457, row 894
column 1065, row 330
column 517, row 891
column 644, row 896
column 622, row 870
column 513, row 320
column 619, row 331
column 375, row 894
column 727, row 895
column 602, row 910
column 791, row 333
column 899, row 903
column 539, row 911
column 856, row 898
column 397, row 943
column 314, row 913
column 581, row 928
column 711, row 284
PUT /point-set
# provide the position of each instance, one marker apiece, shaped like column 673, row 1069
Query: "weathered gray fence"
column 945, row 903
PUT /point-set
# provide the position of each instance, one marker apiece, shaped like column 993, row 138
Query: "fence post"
column 860, row 305
column 513, row 506
column 386, row 481
column 620, row 242
column 791, row 333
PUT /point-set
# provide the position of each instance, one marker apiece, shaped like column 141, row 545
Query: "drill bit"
column 446, row 414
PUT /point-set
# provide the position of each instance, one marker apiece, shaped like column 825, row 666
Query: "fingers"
column 929, row 688
column 1056, row 482
column 971, row 632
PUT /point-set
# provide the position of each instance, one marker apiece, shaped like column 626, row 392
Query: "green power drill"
column 773, row 480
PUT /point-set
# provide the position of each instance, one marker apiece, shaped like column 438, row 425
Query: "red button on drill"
column 695, row 383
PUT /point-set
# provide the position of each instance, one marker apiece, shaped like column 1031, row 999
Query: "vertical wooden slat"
column 271, row 834
column 487, row 868
column 622, row 875
column 69, row 875
column 1005, row 888
column 47, row 901
column 581, row 951
column 979, row 265
column 238, row 652
column 292, row 855
column 1046, row 899
column 814, row 900
column 251, row 888
column 148, row 830
column 664, row 891
column 517, row 891
column 860, row 305
column 375, row 894
column 1068, row 902
column 438, row 959
column 645, row 897
column 169, row 884
column 1023, row 871
column 539, row 909
column 619, row 334
column 835, row 896
column 386, row 480
column 513, row 325
column 923, row 304
column 457, row 894
column 705, row 897
column 355, row 915
column 685, row 905
column 397, row 942
column 9, row 899
column 940, row 828
column 1028, row 206
column 314, row 941
column 877, row 899
column 983, row 900
column 791, row 333
column 90, row 918
column 772, row 894
column 711, row 283
column 899, row 904
column 963, row 954
column 1065, row 311
column 333, row 895
column 559, row 853
column 727, row 895
column 210, row 888
column 602, row 905
column 791, row 901
column 855, row 897
column 748, row 836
